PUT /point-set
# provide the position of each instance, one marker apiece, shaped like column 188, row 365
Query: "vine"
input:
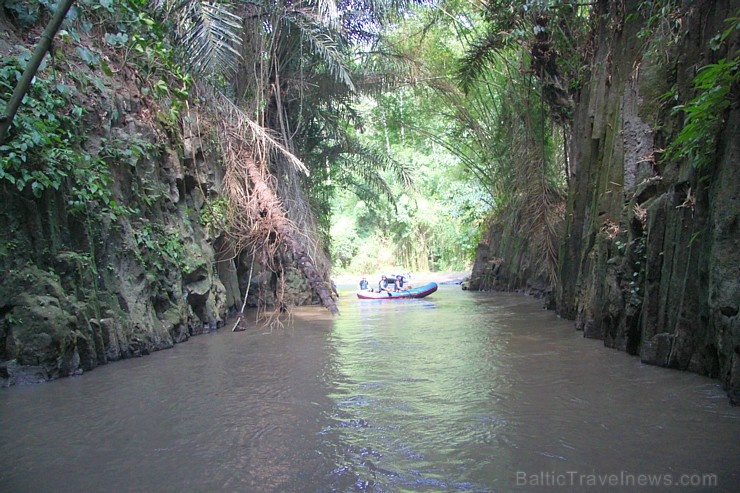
column 215, row 215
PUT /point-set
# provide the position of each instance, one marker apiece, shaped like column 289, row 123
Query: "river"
column 460, row 391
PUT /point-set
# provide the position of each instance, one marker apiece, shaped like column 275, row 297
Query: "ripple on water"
column 457, row 392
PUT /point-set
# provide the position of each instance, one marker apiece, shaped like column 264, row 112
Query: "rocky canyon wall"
column 649, row 260
column 85, row 283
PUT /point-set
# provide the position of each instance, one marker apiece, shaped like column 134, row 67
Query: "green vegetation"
column 387, row 132
column 432, row 226
column 704, row 114
column 65, row 154
column 480, row 119
column 45, row 150
column 403, row 156
column 159, row 248
column 215, row 215
column 47, row 147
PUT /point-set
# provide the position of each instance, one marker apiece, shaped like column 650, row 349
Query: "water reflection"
column 455, row 392
column 467, row 395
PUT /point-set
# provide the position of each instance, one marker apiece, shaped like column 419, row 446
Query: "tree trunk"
column 272, row 217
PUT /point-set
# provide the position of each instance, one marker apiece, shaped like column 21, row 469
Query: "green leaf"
column 88, row 56
column 106, row 68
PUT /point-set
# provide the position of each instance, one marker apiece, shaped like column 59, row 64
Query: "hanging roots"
column 258, row 218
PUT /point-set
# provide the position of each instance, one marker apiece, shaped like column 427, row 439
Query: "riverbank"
column 418, row 278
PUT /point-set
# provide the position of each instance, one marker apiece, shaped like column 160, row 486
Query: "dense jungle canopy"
column 166, row 163
column 376, row 133
column 358, row 133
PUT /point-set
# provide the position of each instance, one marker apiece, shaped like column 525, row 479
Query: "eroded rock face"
column 77, row 293
column 650, row 256
column 504, row 261
column 75, row 315
column 135, row 273
column 43, row 334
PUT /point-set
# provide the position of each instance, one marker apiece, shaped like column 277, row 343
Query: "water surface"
column 455, row 392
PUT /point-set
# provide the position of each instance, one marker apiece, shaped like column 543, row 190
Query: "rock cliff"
column 649, row 260
column 143, row 264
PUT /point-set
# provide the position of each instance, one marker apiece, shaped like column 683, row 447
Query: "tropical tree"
column 408, row 119
column 282, row 74
column 491, row 85
column 509, row 104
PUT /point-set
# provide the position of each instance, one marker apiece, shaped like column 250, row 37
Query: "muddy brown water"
column 470, row 392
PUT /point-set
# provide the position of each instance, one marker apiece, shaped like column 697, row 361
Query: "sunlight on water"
column 455, row 392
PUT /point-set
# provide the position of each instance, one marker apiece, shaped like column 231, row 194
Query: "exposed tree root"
column 259, row 219
column 272, row 220
column 238, row 327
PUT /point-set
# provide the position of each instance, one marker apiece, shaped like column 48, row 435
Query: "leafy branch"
column 704, row 114
column 715, row 85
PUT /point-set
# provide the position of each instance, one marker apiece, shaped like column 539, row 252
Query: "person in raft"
column 399, row 283
column 383, row 284
column 363, row 284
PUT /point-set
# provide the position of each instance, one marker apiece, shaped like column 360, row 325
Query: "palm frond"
column 384, row 70
column 482, row 52
column 327, row 46
column 358, row 164
column 208, row 33
column 239, row 119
